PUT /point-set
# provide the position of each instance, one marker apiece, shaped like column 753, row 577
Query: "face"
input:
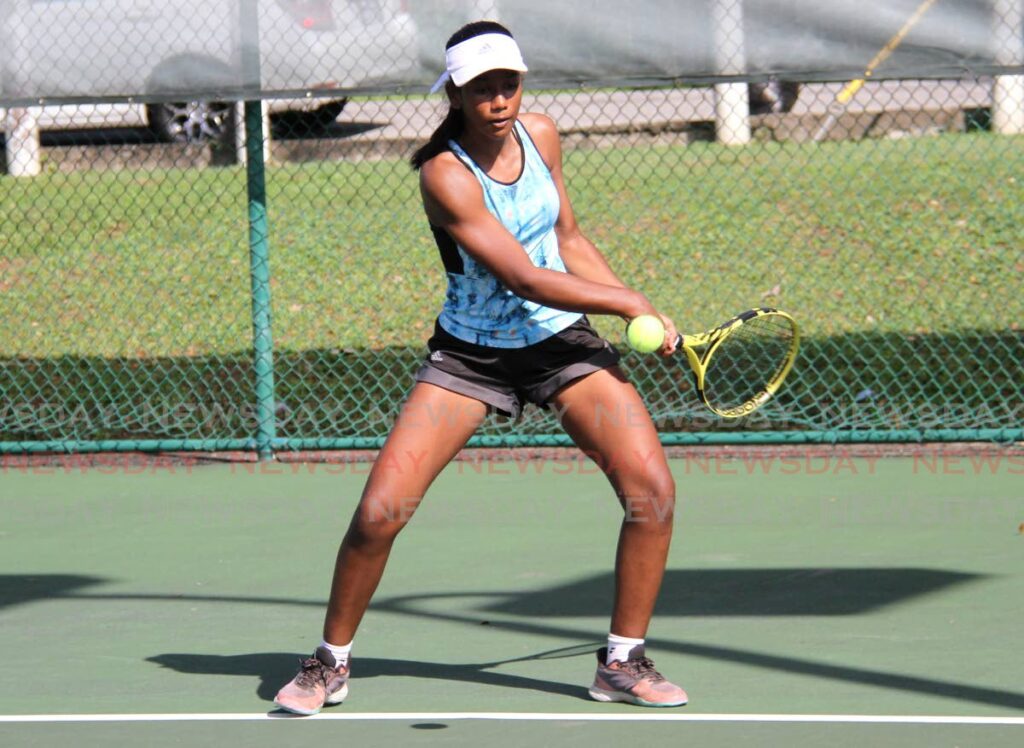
column 490, row 102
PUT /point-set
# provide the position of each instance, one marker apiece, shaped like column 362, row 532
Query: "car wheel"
column 191, row 121
column 773, row 96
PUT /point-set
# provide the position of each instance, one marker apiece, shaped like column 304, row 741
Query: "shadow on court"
column 19, row 589
column 686, row 593
column 274, row 669
column 746, row 592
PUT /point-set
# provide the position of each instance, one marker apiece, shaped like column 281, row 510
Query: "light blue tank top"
column 478, row 308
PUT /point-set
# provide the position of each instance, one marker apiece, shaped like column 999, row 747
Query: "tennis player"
column 513, row 330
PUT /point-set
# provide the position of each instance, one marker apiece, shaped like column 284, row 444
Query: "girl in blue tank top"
column 478, row 308
column 512, row 330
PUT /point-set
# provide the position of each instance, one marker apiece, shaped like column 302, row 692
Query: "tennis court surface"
column 811, row 597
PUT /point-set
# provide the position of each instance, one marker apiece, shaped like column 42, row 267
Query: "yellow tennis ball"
column 645, row 333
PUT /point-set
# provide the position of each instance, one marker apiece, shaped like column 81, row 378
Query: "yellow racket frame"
column 700, row 348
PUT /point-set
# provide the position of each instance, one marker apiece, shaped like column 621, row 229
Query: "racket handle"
column 679, row 340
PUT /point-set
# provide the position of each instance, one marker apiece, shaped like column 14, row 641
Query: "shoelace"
column 642, row 668
column 312, row 673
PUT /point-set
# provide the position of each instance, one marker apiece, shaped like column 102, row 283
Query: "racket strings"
column 748, row 360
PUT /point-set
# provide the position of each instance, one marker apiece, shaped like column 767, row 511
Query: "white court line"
column 524, row 716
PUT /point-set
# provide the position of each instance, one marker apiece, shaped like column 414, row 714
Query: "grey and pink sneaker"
column 320, row 681
column 634, row 681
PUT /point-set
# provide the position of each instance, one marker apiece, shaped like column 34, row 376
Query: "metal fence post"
column 259, row 246
column 259, row 270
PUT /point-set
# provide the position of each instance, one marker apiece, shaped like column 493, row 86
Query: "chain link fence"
column 167, row 282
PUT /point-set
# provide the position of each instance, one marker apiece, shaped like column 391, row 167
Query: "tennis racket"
column 739, row 365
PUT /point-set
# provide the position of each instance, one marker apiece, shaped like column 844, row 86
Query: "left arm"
column 579, row 254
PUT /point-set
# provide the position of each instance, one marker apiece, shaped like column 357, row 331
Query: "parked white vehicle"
column 59, row 49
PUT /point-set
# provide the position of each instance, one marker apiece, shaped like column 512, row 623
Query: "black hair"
column 451, row 126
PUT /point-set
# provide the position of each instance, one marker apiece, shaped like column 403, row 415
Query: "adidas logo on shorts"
column 436, row 357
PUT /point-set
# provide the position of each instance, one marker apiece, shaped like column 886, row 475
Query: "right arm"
column 453, row 200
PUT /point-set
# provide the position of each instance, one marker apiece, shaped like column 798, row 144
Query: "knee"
column 650, row 503
column 378, row 521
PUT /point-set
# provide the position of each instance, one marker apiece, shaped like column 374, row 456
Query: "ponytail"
column 449, row 129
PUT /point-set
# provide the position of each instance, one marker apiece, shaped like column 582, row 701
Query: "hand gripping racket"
column 739, row 365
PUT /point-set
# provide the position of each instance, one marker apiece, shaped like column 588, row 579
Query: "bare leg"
column 607, row 419
column 433, row 426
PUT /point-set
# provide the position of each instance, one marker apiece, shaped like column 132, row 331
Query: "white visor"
column 466, row 60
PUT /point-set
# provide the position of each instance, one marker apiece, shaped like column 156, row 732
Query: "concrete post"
column 24, row 156
column 1008, row 90
column 732, row 109
column 241, row 153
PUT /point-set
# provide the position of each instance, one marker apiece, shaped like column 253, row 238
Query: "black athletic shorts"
column 507, row 378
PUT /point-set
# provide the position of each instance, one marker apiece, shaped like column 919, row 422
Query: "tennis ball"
column 645, row 333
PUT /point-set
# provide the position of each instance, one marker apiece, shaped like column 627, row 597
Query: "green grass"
column 136, row 280
column 907, row 235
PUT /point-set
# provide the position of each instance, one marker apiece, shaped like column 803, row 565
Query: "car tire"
column 195, row 122
column 191, row 121
column 773, row 96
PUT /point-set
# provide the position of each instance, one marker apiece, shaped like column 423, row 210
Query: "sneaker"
column 320, row 681
column 634, row 681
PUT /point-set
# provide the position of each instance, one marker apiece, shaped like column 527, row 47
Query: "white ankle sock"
column 340, row 654
column 619, row 648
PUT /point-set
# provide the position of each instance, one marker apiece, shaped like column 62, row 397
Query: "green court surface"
column 808, row 600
